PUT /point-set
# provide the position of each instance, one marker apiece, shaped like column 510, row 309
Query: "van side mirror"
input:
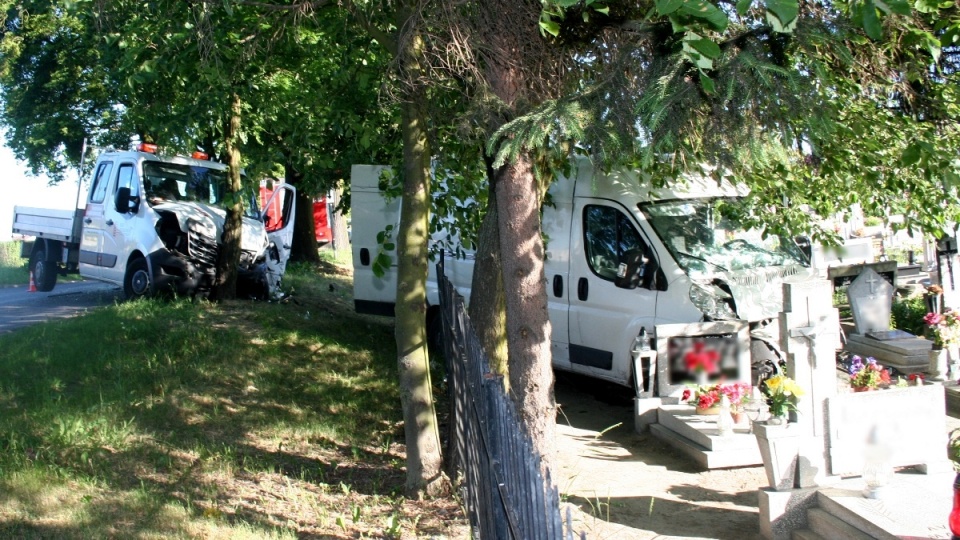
column 125, row 203
column 636, row 270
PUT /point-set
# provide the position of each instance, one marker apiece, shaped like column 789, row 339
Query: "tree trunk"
column 424, row 462
column 338, row 223
column 228, row 260
column 487, row 302
column 528, row 323
column 304, row 248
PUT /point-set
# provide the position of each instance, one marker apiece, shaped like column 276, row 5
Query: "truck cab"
column 621, row 259
column 154, row 224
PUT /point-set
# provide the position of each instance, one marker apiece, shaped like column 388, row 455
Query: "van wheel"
column 44, row 271
column 136, row 282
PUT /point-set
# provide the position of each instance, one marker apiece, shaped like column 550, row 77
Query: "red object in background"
column 955, row 513
column 701, row 358
column 273, row 212
column 321, row 221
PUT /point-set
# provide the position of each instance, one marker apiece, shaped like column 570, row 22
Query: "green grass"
column 13, row 269
column 189, row 419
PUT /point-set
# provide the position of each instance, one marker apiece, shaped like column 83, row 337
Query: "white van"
column 154, row 223
column 621, row 259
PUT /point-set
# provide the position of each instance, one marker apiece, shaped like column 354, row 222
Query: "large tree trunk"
column 304, row 248
column 528, row 323
column 424, row 462
column 228, row 261
column 338, row 222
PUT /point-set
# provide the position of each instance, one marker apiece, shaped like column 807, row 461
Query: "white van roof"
column 625, row 185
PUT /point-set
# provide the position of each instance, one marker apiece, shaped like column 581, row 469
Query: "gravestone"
column 871, row 297
column 810, row 337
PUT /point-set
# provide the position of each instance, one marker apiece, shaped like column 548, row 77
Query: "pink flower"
column 932, row 319
column 686, row 394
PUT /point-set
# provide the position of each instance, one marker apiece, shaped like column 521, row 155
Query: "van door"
column 91, row 241
column 605, row 319
column 280, row 232
column 121, row 211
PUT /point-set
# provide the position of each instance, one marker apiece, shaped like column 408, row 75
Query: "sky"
column 19, row 188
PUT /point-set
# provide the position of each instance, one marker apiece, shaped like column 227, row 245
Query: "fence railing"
column 505, row 494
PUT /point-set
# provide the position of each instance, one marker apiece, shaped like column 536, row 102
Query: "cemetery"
column 852, row 434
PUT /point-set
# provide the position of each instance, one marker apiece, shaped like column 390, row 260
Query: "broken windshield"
column 704, row 236
column 172, row 182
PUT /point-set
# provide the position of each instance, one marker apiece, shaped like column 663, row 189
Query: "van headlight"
column 714, row 302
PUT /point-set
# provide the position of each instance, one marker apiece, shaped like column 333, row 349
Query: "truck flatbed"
column 62, row 225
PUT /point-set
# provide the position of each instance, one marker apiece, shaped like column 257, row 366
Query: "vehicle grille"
column 762, row 277
column 202, row 249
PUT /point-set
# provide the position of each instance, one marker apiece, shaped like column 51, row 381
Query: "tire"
column 137, row 282
column 44, row 271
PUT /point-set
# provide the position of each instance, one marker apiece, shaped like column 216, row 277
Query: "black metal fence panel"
column 506, row 496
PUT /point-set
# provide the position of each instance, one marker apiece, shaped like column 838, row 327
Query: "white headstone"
column 870, row 298
column 810, row 337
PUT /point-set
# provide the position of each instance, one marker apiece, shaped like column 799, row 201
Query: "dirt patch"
column 632, row 486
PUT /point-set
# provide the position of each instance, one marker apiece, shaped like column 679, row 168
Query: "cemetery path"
column 632, row 486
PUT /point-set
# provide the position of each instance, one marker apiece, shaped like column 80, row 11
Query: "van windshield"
column 705, row 236
column 173, row 182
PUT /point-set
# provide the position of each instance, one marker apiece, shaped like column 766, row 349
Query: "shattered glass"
column 705, row 237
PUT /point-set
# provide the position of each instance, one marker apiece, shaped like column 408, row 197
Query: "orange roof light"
column 149, row 148
column 200, row 155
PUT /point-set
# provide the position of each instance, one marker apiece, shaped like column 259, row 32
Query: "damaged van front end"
column 190, row 219
column 734, row 272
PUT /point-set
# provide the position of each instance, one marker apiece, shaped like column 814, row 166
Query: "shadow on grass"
column 220, row 412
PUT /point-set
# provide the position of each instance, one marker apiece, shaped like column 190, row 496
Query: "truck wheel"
column 44, row 271
column 136, row 282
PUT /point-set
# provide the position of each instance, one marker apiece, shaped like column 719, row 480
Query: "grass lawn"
column 181, row 419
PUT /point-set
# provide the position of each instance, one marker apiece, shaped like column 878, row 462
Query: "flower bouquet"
column 943, row 328
column 707, row 398
column 781, row 392
column 866, row 376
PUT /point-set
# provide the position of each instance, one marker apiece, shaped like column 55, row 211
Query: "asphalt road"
column 19, row 308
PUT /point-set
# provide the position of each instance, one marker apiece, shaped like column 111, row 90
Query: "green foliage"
column 907, row 314
column 13, row 268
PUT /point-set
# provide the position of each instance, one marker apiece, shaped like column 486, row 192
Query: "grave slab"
column 695, row 435
column 911, row 421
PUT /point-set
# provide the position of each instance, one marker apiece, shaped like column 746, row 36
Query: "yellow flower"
column 774, row 383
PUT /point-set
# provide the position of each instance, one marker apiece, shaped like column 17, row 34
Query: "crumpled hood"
column 209, row 221
column 758, row 292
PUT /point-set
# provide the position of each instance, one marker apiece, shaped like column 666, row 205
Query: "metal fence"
column 505, row 494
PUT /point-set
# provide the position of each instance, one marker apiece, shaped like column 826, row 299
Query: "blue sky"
column 21, row 189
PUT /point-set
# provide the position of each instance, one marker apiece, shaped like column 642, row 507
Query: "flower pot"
column 937, row 368
column 738, row 417
column 779, row 448
column 776, row 420
column 862, row 388
column 709, row 411
column 701, row 377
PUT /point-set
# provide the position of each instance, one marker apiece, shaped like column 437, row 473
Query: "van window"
column 99, row 190
column 126, row 178
column 608, row 236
